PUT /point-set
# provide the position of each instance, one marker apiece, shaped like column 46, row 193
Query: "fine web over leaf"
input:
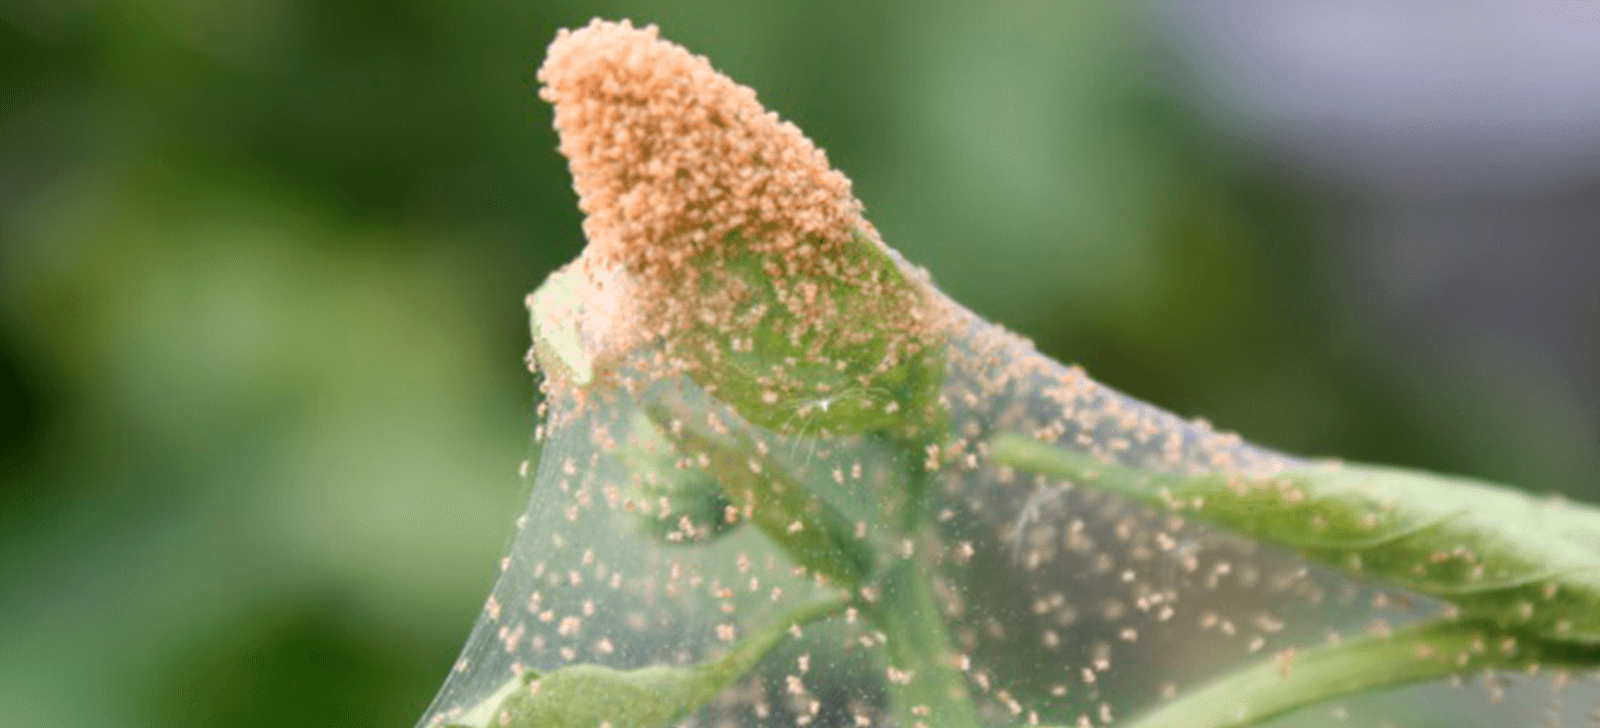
column 1520, row 577
column 784, row 481
column 1492, row 554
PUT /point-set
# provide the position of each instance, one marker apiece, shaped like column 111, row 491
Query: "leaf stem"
column 926, row 691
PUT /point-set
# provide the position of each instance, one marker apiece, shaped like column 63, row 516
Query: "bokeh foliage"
column 261, row 276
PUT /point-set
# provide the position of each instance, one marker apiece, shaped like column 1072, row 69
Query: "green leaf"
column 1415, row 654
column 586, row 696
column 858, row 368
column 865, row 366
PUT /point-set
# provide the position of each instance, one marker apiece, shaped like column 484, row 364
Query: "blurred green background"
column 262, row 263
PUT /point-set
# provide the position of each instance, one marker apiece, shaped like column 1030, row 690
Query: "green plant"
column 773, row 449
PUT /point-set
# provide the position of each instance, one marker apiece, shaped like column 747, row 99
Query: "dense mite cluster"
column 669, row 156
column 672, row 161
